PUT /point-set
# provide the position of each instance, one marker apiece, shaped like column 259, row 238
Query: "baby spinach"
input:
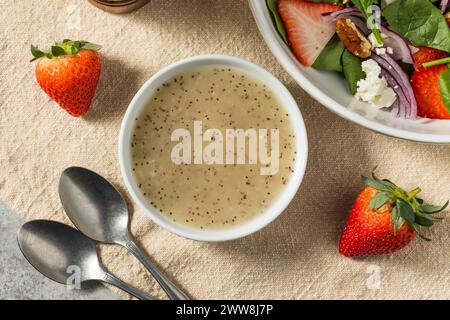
column 353, row 72
column 335, row 57
column 330, row 57
column 273, row 7
column 420, row 22
column 444, row 83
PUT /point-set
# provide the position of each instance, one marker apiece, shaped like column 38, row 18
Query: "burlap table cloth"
column 295, row 257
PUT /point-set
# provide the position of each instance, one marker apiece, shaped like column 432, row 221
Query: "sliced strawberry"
column 308, row 32
column 425, row 83
column 426, row 54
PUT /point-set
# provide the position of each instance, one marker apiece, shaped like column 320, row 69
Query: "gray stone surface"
column 19, row 280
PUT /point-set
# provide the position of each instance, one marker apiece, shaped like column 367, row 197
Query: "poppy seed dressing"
column 215, row 192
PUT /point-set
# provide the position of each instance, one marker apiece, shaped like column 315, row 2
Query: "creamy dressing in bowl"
column 208, row 104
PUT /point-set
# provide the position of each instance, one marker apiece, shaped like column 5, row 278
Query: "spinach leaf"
column 353, row 72
column 444, row 83
column 330, row 57
column 273, row 7
column 420, row 22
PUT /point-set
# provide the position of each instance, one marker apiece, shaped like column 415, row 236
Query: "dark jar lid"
column 119, row 6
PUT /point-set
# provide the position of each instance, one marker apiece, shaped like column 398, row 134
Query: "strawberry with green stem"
column 385, row 219
column 69, row 73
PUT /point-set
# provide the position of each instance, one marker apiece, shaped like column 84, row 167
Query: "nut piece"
column 354, row 40
column 447, row 18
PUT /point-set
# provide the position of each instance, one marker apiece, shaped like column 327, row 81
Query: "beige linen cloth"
column 296, row 257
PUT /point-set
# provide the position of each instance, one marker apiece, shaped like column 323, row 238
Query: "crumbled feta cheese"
column 373, row 40
column 374, row 89
column 380, row 50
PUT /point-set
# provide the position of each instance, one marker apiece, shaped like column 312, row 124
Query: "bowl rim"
column 276, row 45
column 141, row 99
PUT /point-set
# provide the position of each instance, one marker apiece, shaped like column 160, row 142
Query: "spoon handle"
column 171, row 289
column 112, row 279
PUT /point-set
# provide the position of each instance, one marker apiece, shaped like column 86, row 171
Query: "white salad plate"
column 331, row 91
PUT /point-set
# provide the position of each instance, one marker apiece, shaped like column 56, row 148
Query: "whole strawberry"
column 69, row 74
column 385, row 219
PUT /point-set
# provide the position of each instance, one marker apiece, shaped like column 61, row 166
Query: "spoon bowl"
column 52, row 248
column 63, row 254
column 93, row 205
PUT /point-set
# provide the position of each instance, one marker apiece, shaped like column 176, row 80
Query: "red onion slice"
column 401, row 74
column 390, row 69
column 408, row 104
column 349, row 13
column 401, row 49
column 401, row 107
column 445, row 5
column 344, row 13
column 396, row 108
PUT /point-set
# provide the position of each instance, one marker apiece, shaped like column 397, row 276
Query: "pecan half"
column 354, row 40
column 447, row 18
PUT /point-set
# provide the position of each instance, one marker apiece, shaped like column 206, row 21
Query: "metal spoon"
column 99, row 211
column 58, row 251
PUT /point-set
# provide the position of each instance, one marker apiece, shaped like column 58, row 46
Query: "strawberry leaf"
column 377, row 184
column 36, row 53
column 420, row 234
column 394, row 218
column 378, row 200
column 423, row 221
column 430, row 209
column 407, row 206
column 405, row 211
column 90, row 46
column 66, row 47
column 57, row 51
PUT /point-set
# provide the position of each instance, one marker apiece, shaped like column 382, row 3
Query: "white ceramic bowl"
column 144, row 95
column 330, row 90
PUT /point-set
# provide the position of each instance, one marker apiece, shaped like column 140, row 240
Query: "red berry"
column 371, row 232
column 69, row 79
column 384, row 219
column 307, row 31
column 425, row 83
